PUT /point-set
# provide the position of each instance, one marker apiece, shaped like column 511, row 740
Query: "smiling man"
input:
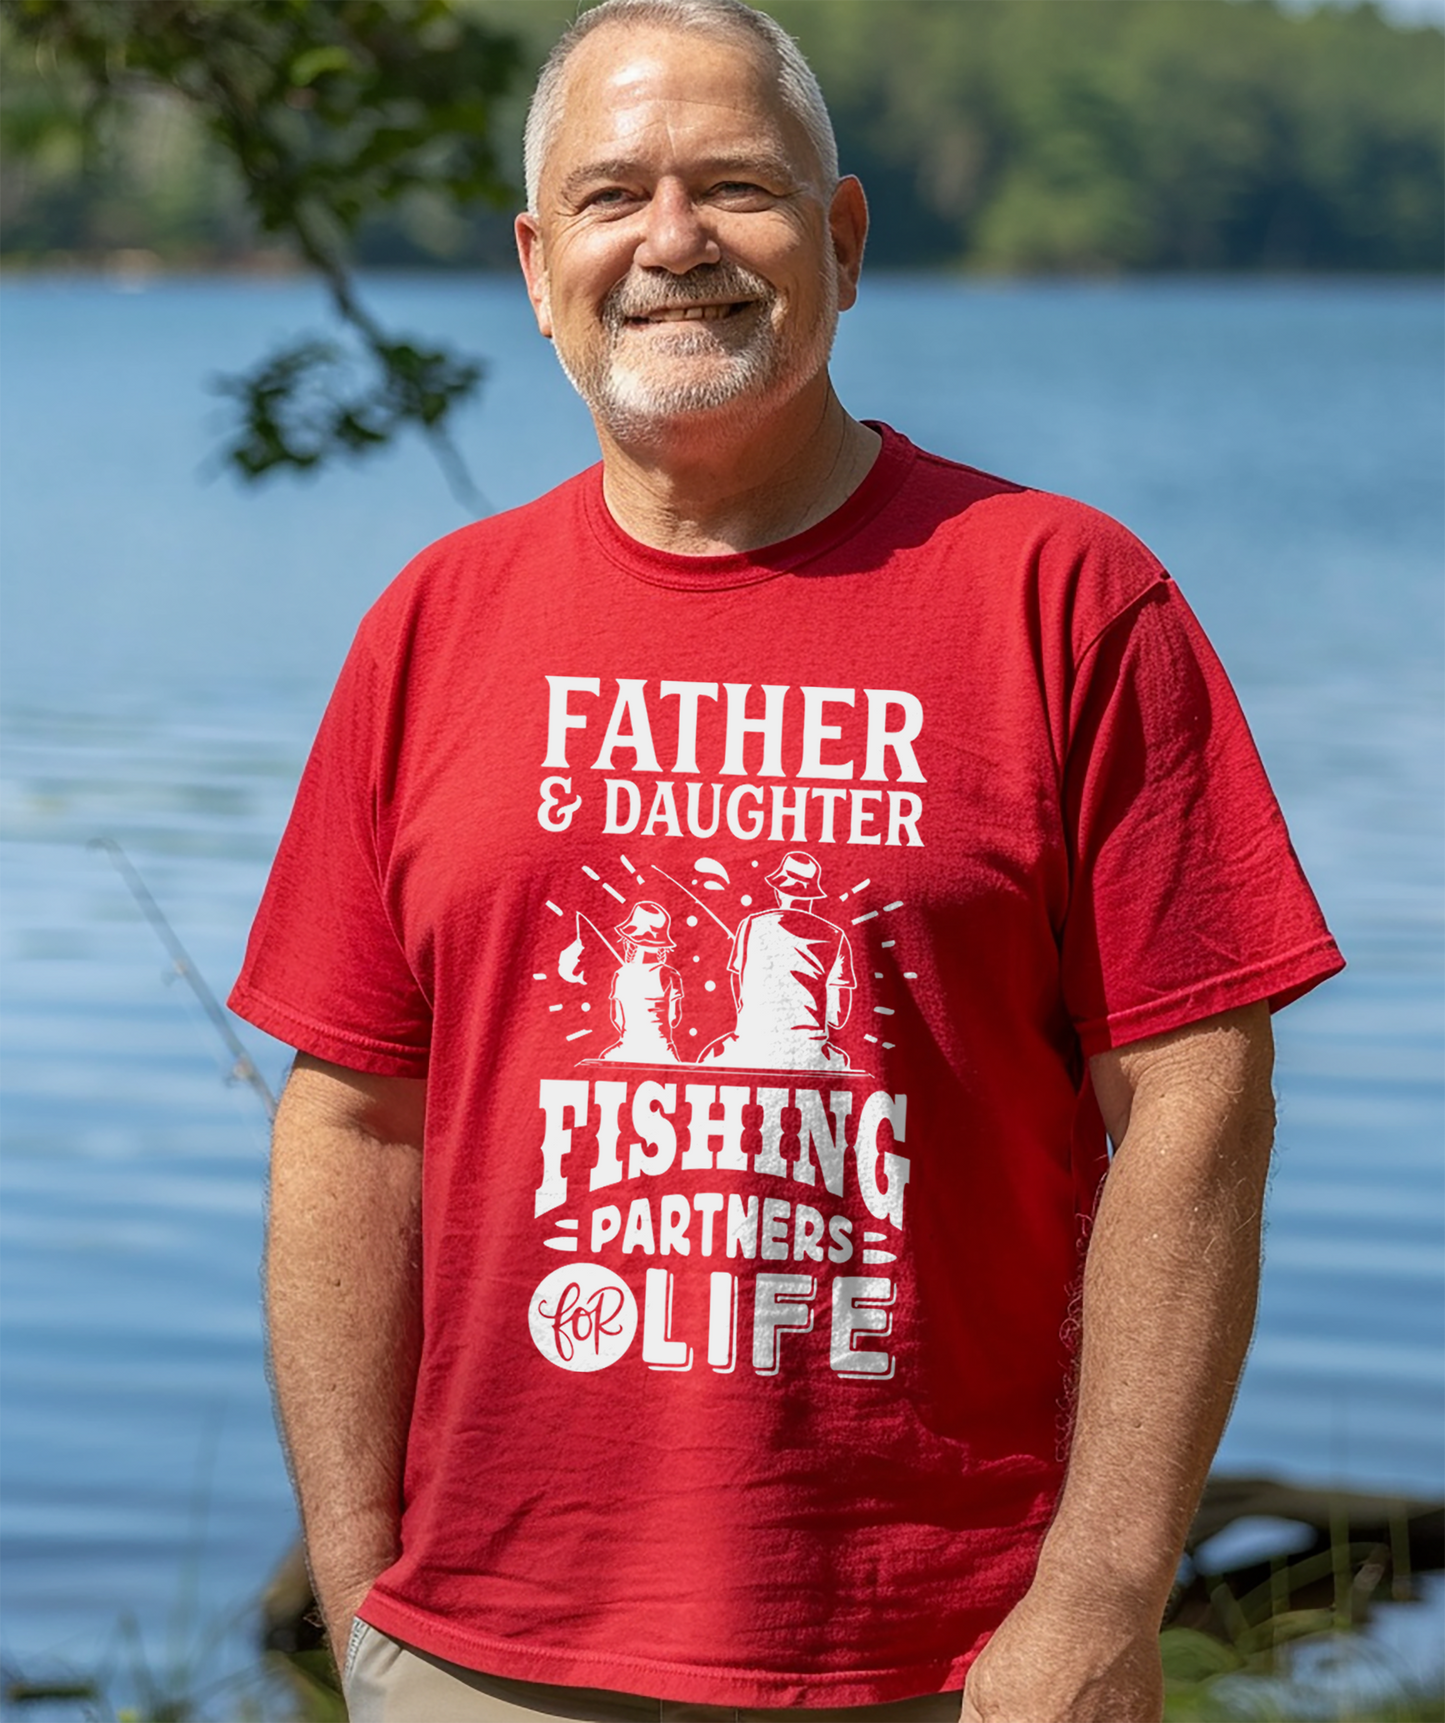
column 688, row 248
column 726, row 1382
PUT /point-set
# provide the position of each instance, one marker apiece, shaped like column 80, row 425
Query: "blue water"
column 168, row 642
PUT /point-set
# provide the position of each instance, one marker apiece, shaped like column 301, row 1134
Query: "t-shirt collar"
column 748, row 568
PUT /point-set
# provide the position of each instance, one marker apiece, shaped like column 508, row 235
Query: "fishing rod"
column 243, row 1069
column 730, row 932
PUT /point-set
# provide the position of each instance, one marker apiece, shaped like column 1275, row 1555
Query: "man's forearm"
column 1168, row 1309
column 343, row 1297
column 1170, row 1288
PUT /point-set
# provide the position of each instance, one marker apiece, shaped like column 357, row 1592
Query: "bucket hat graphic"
column 798, row 875
column 647, row 924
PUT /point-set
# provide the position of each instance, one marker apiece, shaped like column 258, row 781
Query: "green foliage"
column 303, row 404
column 1018, row 135
column 1045, row 135
column 1221, row 1692
column 1253, row 1671
column 324, row 110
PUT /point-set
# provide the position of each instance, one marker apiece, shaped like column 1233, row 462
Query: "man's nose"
column 677, row 237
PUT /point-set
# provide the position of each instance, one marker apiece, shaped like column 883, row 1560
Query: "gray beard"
column 636, row 407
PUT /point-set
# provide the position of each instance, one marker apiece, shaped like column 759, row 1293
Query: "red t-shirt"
column 744, row 1377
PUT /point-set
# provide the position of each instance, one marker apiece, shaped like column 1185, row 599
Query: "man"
column 792, row 979
column 614, row 1396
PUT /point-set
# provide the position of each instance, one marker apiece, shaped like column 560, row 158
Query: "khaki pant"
column 388, row 1682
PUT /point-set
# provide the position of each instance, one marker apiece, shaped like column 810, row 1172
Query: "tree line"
column 1013, row 136
column 1111, row 135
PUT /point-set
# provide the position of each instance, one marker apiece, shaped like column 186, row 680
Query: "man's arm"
column 1169, row 1300
column 343, row 1293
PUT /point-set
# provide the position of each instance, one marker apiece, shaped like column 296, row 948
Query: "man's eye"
column 608, row 195
column 741, row 195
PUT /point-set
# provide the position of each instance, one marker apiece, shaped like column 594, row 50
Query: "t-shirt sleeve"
column 325, row 969
column 1186, row 897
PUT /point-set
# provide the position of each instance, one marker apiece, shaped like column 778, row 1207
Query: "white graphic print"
column 646, row 992
column 583, row 1317
column 724, row 1173
column 768, row 990
column 792, row 977
column 678, row 757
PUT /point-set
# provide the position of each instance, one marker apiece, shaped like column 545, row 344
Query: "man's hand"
column 343, row 1284
column 1050, row 1663
column 1168, row 1308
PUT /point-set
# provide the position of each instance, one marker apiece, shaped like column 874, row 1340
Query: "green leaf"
column 1191, row 1656
column 306, row 68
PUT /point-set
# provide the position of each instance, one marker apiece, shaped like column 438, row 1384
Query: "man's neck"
column 717, row 485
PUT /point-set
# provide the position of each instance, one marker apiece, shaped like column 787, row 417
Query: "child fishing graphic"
column 646, row 993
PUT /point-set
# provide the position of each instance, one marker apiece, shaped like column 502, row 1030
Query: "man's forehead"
column 621, row 53
column 723, row 84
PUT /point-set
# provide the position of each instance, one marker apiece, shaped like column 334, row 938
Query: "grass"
column 1329, row 1677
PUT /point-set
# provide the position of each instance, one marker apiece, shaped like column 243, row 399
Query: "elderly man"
column 612, row 1394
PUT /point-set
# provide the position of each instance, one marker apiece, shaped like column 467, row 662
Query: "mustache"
column 640, row 296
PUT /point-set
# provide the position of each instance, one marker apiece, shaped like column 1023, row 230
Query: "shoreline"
column 138, row 265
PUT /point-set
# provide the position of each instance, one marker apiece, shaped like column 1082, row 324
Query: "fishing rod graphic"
column 243, row 1068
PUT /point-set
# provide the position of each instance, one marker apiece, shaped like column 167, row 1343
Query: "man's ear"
column 848, row 225
column 534, row 270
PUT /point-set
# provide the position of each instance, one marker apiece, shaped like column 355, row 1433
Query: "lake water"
column 168, row 643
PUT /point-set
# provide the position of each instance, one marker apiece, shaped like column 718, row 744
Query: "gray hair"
column 797, row 86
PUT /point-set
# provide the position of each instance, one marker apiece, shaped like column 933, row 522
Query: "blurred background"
column 262, row 340
column 1008, row 136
